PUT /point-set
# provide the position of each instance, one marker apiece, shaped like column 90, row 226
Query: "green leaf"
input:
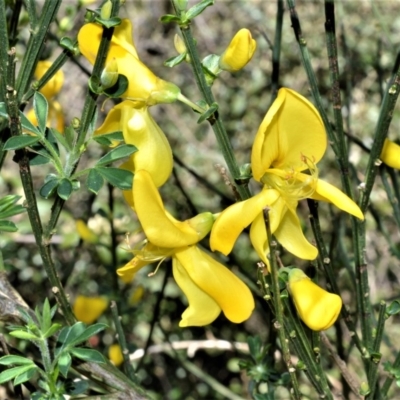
column 8, row 208
column 16, row 360
column 52, row 330
column 198, row 9
column 76, row 387
column 393, row 308
column 25, row 376
column 64, row 363
column 24, row 335
column 118, row 89
column 11, row 373
column 108, row 138
column 69, row 134
column 209, row 113
column 95, row 85
column 94, row 181
column 69, row 334
column 88, row 333
column 118, row 153
column 41, row 109
column 171, row 62
column 121, row 178
column 61, row 139
column 88, row 355
column 3, row 110
column 64, row 189
column 19, row 142
column 48, row 188
column 28, row 126
column 8, row 226
column 46, row 317
column 167, row 18
column 110, row 22
column 68, row 44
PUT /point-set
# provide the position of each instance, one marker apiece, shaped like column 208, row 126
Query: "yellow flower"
column 85, row 233
column 317, row 308
column 208, row 285
column 239, row 52
column 88, row 309
column 139, row 129
column 288, row 145
column 144, row 86
column 50, row 90
column 391, row 154
column 115, row 354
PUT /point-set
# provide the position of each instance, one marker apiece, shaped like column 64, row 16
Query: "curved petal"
column 112, row 123
column 231, row 222
column 292, row 128
column 154, row 152
column 228, row 291
column 290, row 235
column 391, row 154
column 324, row 191
column 258, row 232
column 161, row 229
column 202, row 308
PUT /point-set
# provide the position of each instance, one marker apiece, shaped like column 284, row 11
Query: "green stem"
column 276, row 52
column 35, row 45
column 279, row 323
column 389, row 380
column 216, row 122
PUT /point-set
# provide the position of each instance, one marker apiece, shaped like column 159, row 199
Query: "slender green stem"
column 216, row 122
column 279, row 323
column 391, row 196
column 389, row 380
column 276, row 52
column 31, row 8
column 35, row 45
column 122, row 342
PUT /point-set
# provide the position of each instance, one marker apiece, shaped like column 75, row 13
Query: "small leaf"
column 69, row 134
column 110, row 22
column 117, row 153
column 28, row 126
column 3, row 110
column 76, row 387
column 11, row 373
column 24, row 335
column 94, row 181
column 48, row 188
column 108, row 138
column 68, row 44
column 118, row 89
column 25, row 376
column 52, row 330
column 88, row 355
column 8, row 226
column 121, row 178
column 393, row 308
column 61, row 139
column 167, row 18
column 64, row 189
column 69, row 334
column 46, row 317
column 16, row 360
column 209, row 113
column 64, row 363
column 88, row 333
column 95, row 85
column 8, row 208
column 171, row 62
column 20, row 142
column 198, row 9
column 41, row 109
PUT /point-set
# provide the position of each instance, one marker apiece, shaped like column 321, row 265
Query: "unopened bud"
column 109, row 75
column 106, row 8
column 179, row 44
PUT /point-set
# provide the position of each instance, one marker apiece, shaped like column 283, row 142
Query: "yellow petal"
column 227, row 290
column 85, row 232
column 231, row 222
column 88, row 309
column 160, row 228
column 54, row 85
column 112, row 123
column 317, row 308
column 290, row 235
column 324, row 191
column 115, row 354
column 391, row 154
column 202, row 308
column 291, row 129
column 239, row 52
column 154, row 152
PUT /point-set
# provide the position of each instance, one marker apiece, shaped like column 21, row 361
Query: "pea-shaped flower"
column 289, row 143
column 239, row 52
column 144, row 86
column 317, row 308
column 209, row 286
column 88, row 309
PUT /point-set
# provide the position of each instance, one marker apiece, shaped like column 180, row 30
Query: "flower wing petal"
column 228, row 291
column 161, row 229
column 202, row 308
column 290, row 235
column 231, row 222
column 324, row 191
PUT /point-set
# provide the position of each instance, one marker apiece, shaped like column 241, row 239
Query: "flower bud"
column 106, row 8
column 202, row 223
column 115, row 354
column 239, row 52
column 109, row 75
column 391, row 154
column 179, row 44
column 317, row 308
